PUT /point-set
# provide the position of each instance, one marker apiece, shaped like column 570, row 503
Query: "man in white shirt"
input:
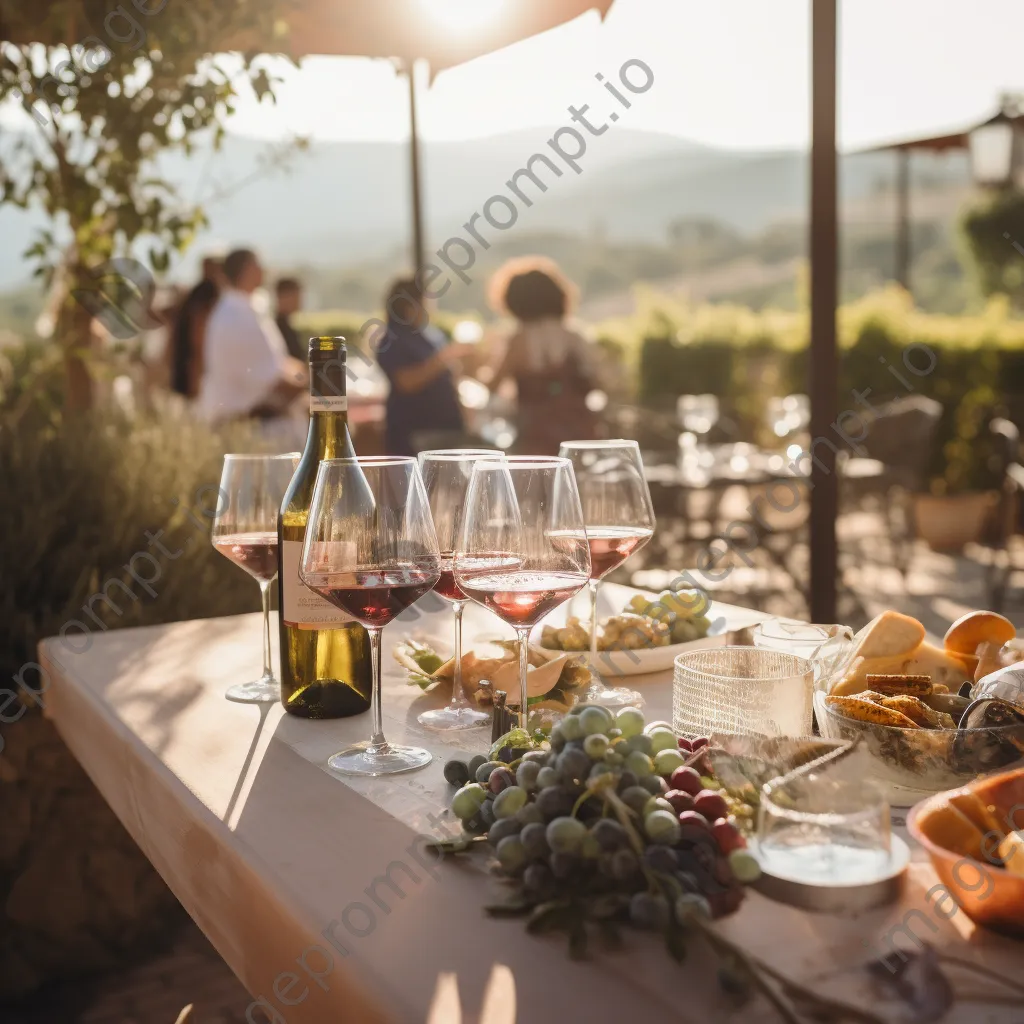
column 246, row 367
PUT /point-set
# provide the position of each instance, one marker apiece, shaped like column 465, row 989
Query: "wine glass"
column 370, row 550
column 619, row 517
column 446, row 480
column 523, row 547
column 251, row 490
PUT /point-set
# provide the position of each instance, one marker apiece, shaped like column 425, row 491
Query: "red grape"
column 693, row 824
column 728, row 836
column 726, row 901
column 688, row 780
column 711, row 804
column 680, row 800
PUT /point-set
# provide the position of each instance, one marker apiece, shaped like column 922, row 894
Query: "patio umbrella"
column 442, row 33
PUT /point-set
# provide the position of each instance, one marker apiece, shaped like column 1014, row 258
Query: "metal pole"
column 903, row 217
column 418, row 251
column 824, row 258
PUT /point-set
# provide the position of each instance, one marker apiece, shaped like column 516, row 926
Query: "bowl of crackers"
column 911, row 703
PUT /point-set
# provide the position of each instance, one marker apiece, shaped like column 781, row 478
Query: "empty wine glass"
column 245, row 530
column 446, row 480
column 523, row 547
column 370, row 550
column 619, row 518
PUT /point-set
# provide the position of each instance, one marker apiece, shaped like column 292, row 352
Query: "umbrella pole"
column 418, row 255
column 824, row 258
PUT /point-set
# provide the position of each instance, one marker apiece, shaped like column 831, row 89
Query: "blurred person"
column 288, row 294
column 417, row 360
column 188, row 330
column 553, row 366
column 247, row 371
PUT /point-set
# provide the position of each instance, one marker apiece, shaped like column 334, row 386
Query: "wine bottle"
column 326, row 671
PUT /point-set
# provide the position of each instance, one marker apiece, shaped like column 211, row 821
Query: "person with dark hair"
column 288, row 292
column 188, row 331
column 417, row 361
column 552, row 365
column 247, row 369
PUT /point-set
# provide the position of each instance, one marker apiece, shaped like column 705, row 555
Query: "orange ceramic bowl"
column 990, row 895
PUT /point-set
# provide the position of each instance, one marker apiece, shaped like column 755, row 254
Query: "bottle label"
column 302, row 607
column 328, row 403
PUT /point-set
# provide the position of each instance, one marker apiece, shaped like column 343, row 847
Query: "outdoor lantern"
column 997, row 150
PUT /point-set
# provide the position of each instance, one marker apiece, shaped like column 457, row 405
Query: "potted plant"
column 957, row 509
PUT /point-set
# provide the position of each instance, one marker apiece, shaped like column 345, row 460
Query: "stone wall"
column 76, row 894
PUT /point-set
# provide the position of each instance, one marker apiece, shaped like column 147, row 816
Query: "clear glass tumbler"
column 745, row 690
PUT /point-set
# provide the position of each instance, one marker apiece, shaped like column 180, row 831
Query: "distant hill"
column 347, row 203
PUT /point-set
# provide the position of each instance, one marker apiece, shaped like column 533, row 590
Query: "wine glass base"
column 390, row 759
column 260, row 691
column 452, row 719
column 615, row 697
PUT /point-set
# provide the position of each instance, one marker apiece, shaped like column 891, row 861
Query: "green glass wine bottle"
column 325, row 656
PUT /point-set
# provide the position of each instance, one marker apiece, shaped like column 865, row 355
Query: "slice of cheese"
column 888, row 634
column 980, row 814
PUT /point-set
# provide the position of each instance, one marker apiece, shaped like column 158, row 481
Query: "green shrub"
column 79, row 499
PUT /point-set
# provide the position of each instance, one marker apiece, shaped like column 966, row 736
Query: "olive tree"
column 103, row 90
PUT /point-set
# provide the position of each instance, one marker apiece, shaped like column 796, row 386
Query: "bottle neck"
column 328, row 432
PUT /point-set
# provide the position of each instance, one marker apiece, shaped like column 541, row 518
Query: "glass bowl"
column 926, row 760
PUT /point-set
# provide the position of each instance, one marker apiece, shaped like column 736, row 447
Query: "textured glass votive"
column 742, row 690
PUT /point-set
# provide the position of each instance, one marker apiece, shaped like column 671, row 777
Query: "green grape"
column 652, row 726
column 590, row 848
column 609, row 834
column 540, row 756
column 534, row 837
column 654, row 784
column 509, row 801
column 648, row 911
column 691, row 905
column 667, row 761
column 570, row 727
column 483, row 773
column 596, row 745
column 547, row 776
column 467, row 801
column 614, row 758
column 662, row 827
column 744, row 866
column 657, row 803
column 638, row 763
column 630, row 721
column 511, row 854
column 600, row 769
column 663, row 739
column 564, row 835
column 595, row 719
column 641, row 743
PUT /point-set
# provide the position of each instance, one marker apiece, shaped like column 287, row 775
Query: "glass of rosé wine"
column 446, row 479
column 523, row 547
column 370, row 550
column 245, row 530
column 619, row 517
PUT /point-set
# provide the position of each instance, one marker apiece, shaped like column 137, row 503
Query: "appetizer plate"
column 635, row 662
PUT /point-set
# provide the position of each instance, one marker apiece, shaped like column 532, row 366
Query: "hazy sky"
column 731, row 73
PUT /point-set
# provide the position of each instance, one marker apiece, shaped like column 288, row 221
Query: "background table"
column 316, row 890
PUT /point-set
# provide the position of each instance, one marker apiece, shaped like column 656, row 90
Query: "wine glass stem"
column 458, row 697
column 268, row 671
column 524, row 636
column 593, row 586
column 377, row 741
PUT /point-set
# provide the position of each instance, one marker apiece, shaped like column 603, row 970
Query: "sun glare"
column 463, row 15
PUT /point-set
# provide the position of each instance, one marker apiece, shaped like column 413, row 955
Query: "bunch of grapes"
column 611, row 819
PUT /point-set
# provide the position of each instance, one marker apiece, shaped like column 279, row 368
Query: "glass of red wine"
column 370, row 549
column 245, row 530
column 446, row 479
column 523, row 547
column 619, row 517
